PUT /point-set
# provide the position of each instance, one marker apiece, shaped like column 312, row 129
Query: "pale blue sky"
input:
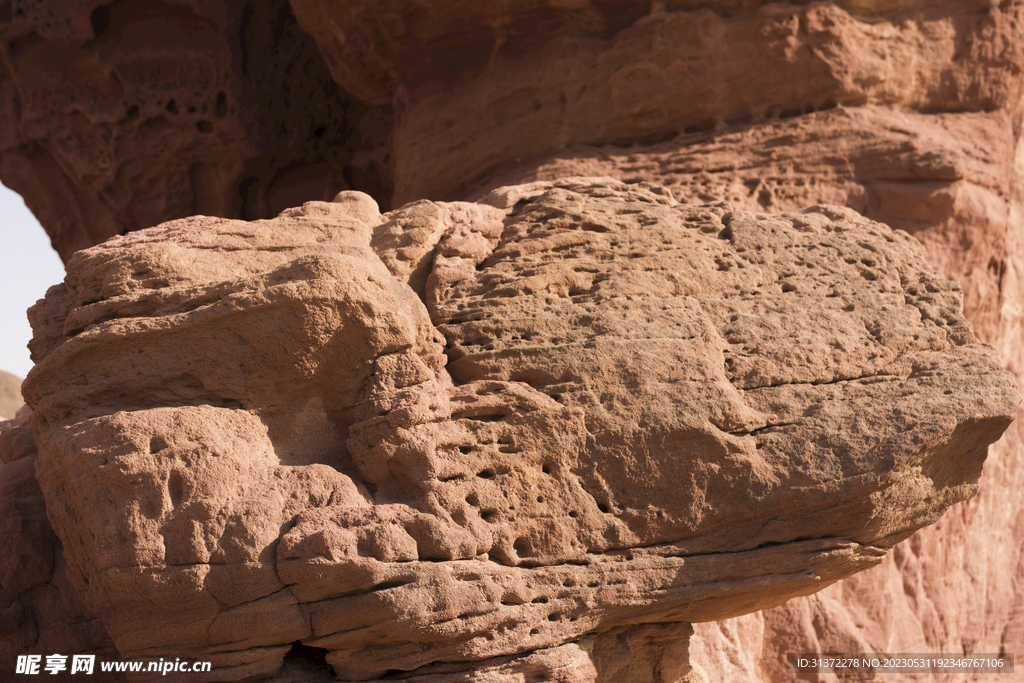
column 28, row 266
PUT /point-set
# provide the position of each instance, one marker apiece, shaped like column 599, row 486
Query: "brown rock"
column 944, row 178
column 924, row 137
column 40, row 611
column 119, row 116
column 919, row 140
column 639, row 412
column 951, row 588
column 508, row 85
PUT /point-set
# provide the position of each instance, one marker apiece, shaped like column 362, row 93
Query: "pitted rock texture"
column 505, row 86
column 719, row 101
column 945, row 178
column 121, row 115
column 953, row 180
column 124, row 114
column 40, row 609
column 457, row 433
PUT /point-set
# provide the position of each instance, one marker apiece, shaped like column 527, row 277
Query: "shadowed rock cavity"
column 459, row 442
column 122, row 115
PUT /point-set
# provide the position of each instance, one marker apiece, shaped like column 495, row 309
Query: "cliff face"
column 126, row 115
column 459, row 433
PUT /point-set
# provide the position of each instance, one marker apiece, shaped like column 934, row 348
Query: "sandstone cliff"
column 906, row 111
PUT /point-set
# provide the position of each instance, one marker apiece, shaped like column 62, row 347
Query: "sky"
column 28, row 266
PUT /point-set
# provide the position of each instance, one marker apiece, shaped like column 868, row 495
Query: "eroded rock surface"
column 542, row 427
column 40, row 609
column 121, row 115
column 945, row 178
column 505, row 86
column 905, row 110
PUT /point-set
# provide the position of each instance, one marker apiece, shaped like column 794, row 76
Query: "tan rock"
column 943, row 178
column 951, row 587
column 924, row 137
column 10, row 395
column 607, row 410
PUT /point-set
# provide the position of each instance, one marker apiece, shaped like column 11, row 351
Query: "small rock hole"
column 100, row 19
column 175, row 488
column 220, row 110
column 309, row 658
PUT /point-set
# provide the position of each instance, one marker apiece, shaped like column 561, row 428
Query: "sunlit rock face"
column 120, row 116
column 10, row 395
column 456, row 433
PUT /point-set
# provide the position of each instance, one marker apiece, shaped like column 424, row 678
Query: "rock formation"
column 10, row 395
column 40, row 610
column 907, row 111
column 550, row 427
column 121, row 115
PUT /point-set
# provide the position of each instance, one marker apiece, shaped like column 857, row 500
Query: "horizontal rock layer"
column 461, row 432
column 506, row 85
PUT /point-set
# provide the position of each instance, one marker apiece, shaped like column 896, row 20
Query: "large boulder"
column 40, row 610
column 556, row 426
